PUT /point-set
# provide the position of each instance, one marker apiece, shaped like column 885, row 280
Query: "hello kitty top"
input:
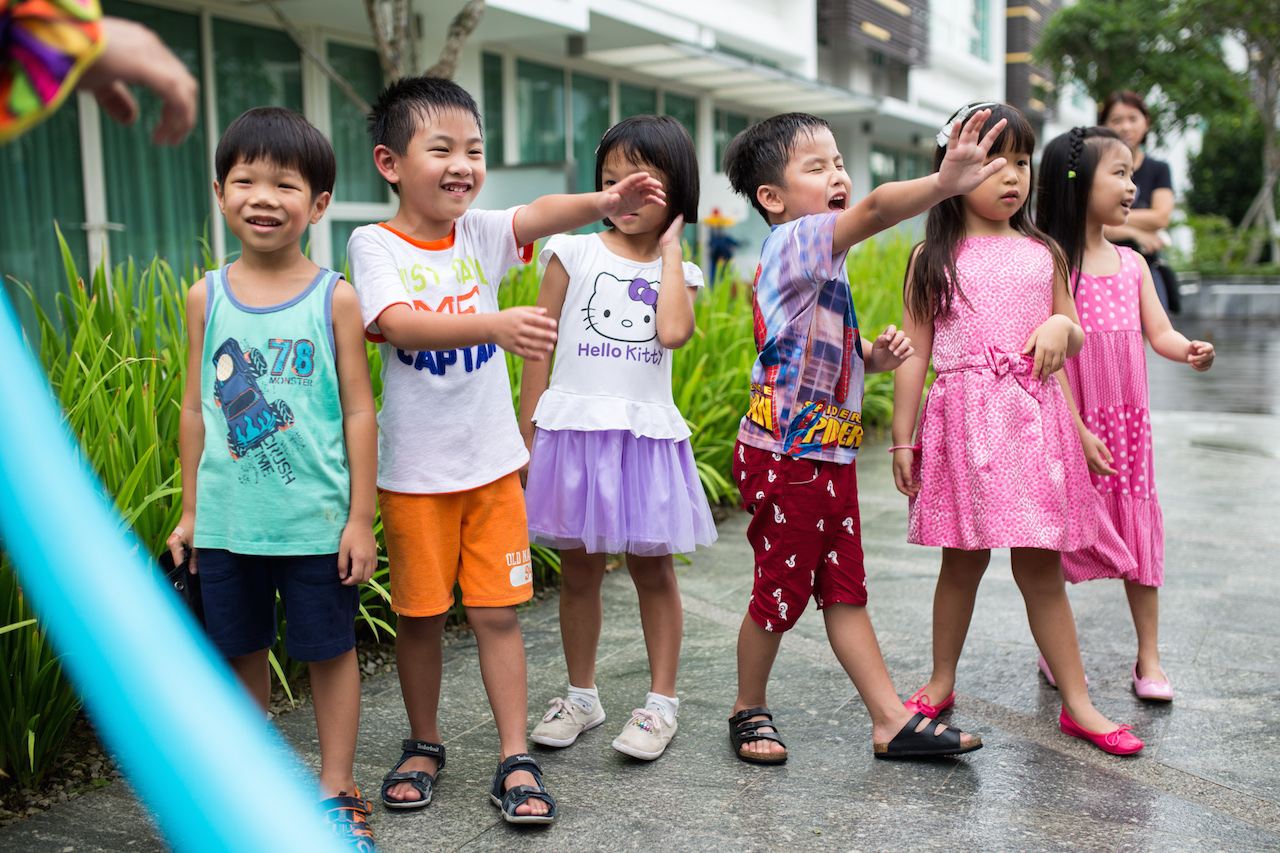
column 610, row 372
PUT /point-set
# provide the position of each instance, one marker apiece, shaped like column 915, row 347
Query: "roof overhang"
column 759, row 88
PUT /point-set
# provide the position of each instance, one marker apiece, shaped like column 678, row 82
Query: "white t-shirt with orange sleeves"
column 447, row 423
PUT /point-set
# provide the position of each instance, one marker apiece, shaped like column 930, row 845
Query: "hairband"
column 944, row 135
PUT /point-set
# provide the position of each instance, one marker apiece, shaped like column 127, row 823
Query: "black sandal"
column 933, row 739
column 349, row 819
column 743, row 729
column 510, row 799
column 421, row 781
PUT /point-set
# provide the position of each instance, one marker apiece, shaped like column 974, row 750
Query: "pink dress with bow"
column 1000, row 464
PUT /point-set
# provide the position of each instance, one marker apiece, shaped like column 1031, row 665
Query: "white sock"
column 667, row 706
column 584, row 697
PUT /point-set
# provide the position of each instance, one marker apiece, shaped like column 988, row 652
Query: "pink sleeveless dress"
column 1109, row 382
column 1000, row 464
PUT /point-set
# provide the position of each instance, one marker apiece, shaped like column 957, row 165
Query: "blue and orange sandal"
column 349, row 819
column 510, row 799
column 423, row 782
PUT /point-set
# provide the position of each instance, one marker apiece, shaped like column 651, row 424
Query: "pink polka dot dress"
column 1000, row 464
column 1109, row 382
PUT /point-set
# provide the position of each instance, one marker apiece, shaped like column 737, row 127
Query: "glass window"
column 255, row 67
column 884, row 166
column 684, row 110
column 728, row 125
column 40, row 185
column 636, row 100
column 540, row 94
column 491, row 90
column 158, row 193
column 980, row 41
column 358, row 179
column 341, row 233
column 590, row 121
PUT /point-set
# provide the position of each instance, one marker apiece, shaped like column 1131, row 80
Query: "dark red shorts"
column 805, row 532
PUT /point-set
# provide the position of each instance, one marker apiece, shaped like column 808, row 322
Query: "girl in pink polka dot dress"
column 1117, row 303
column 997, row 461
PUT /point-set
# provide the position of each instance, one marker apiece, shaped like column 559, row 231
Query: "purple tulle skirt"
column 615, row 493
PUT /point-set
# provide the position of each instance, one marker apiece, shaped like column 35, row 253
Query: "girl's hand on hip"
column 903, row 458
column 1049, row 343
column 1200, row 355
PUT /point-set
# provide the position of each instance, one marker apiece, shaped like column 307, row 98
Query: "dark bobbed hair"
column 759, row 154
column 1130, row 98
column 934, row 284
column 1064, row 200
column 663, row 143
column 283, row 137
column 408, row 104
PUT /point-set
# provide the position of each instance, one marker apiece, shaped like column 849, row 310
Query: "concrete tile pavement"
column 1206, row 780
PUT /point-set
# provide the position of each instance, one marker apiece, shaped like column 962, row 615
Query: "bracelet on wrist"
column 904, row 447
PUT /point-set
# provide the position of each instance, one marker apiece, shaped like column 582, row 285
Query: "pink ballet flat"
column 1120, row 742
column 1048, row 676
column 1151, row 690
column 916, row 705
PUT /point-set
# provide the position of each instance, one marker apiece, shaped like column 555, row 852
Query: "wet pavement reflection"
column 1243, row 377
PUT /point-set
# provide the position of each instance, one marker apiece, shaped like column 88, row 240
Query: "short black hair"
column 663, row 143
column 759, row 154
column 283, row 137
column 407, row 105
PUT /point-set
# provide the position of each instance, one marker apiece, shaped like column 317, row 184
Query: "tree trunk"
column 397, row 49
column 463, row 24
column 1265, row 63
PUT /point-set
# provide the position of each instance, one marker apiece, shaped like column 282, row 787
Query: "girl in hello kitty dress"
column 611, row 469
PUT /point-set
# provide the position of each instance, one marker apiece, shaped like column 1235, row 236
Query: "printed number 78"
column 303, row 356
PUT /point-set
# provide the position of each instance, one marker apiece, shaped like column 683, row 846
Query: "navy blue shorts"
column 240, row 603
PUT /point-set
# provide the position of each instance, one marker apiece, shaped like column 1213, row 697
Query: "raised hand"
column 966, row 166
column 673, row 232
column 630, row 194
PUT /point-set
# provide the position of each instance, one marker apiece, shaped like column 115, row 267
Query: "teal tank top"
column 273, row 477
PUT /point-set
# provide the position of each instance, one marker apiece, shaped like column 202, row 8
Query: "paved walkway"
column 1206, row 781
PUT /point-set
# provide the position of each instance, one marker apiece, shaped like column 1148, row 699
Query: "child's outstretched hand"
column 966, row 166
column 526, row 331
column 903, row 459
column 1049, row 342
column 889, row 350
column 357, row 554
column 630, row 194
column 1200, row 355
column 1096, row 453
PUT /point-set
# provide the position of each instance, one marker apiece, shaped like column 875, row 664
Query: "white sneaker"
column 645, row 735
column 565, row 721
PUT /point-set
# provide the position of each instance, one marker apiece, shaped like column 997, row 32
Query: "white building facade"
column 550, row 76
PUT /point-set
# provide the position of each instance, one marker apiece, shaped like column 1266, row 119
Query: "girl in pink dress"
column 1117, row 302
column 997, row 461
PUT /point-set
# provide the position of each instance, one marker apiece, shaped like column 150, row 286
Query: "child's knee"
column 493, row 619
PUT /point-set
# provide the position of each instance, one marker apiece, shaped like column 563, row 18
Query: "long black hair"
column 663, row 143
column 1066, row 180
column 934, row 285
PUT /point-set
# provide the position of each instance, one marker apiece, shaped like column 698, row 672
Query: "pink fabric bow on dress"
column 1021, row 366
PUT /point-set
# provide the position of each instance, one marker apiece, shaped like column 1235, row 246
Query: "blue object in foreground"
column 194, row 746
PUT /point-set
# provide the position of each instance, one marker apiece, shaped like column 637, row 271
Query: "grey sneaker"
column 565, row 721
column 645, row 735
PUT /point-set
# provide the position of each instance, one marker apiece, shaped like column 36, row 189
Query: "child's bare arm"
column 190, row 427
column 1165, row 339
column 908, row 385
column 1058, row 338
column 675, row 318
column 554, row 214
column 963, row 169
column 524, row 330
column 358, row 549
column 535, row 375
column 1096, row 454
column 889, row 350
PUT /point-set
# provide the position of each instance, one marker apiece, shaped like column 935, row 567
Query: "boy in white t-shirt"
column 450, row 449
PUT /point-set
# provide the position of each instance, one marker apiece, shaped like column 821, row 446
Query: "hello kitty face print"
column 623, row 310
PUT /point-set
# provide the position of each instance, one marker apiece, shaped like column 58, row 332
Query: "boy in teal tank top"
column 278, row 440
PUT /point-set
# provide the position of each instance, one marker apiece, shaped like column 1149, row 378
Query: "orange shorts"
column 478, row 538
